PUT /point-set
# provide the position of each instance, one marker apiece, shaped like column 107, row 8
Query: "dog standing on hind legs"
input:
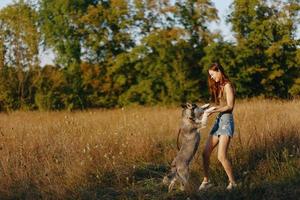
column 191, row 121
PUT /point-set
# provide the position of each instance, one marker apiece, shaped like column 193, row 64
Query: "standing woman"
column 222, row 131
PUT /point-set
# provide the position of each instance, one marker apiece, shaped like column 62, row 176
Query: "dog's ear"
column 189, row 106
column 183, row 105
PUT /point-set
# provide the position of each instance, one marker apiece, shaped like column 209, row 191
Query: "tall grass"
column 123, row 153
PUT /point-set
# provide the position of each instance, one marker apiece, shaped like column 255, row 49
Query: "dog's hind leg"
column 183, row 175
column 173, row 173
column 182, row 186
column 173, row 181
column 168, row 178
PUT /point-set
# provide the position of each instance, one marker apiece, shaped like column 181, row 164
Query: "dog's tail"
column 178, row 134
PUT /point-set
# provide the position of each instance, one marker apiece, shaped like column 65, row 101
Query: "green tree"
column 194, row 16
column 60, row 26
column 50, row 84
column 105, row 31
column 19, row 44
column 62, row 31
column 165, row 66
column 266, row 46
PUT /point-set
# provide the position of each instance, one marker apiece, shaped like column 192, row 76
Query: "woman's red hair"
column 216, row 88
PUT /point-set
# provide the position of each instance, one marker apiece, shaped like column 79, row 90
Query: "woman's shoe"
column 231, row 186
column 205, row 185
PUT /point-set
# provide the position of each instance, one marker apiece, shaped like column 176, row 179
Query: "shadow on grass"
column 146, row 171
column 144, row 183
column 285, row 190
column 152, row 189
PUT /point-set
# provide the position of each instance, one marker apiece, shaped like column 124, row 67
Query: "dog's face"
column 192, row 111
column 188, row 111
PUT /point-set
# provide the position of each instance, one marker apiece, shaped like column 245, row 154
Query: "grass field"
column 124, row 153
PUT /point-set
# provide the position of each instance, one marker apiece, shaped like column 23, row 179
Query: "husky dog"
column 193, row 119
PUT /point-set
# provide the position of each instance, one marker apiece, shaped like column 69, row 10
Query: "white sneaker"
column 231, row 186
column 205, row 185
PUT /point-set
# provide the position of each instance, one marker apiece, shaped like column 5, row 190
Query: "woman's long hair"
column 216, row 88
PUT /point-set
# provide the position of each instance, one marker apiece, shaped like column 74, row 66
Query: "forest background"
column 114, row 53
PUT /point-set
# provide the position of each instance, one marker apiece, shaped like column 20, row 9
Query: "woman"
column 223, row 93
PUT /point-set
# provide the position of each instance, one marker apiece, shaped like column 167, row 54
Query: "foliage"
column 112, row 53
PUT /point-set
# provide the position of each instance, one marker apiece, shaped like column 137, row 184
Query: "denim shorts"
column 223, row 125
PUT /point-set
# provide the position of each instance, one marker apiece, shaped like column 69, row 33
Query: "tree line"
column 111, row 53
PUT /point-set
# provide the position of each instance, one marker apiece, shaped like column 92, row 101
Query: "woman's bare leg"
column 224, row 141
column 211, row 143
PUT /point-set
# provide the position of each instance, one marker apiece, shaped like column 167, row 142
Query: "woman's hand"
column 206, row 113
column 210, row 111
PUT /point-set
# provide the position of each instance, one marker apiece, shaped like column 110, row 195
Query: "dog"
column 193, row 119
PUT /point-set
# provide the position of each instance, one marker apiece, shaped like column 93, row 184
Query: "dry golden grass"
column 123, row 153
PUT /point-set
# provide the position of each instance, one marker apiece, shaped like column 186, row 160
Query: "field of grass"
column 124, row 153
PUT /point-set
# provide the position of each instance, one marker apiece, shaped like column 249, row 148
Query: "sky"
column 4, row 2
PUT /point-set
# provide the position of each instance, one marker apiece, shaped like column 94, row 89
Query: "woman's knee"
column 222, row 158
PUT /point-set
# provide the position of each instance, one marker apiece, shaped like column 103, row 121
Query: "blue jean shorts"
column 224, row 125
